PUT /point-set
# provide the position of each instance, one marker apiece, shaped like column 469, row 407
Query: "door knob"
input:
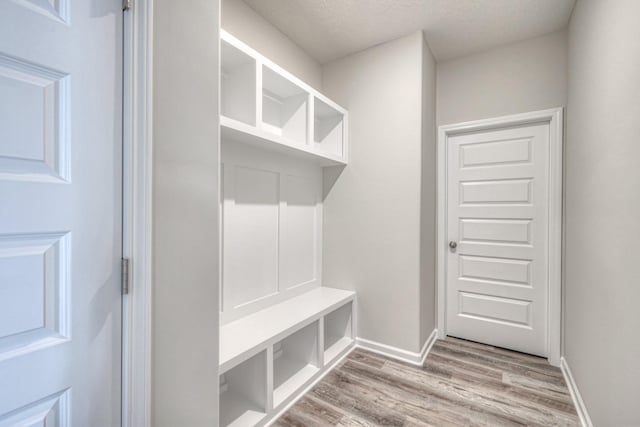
column 453, row 244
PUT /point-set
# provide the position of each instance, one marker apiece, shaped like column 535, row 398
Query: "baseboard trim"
column 416, row 359
column 585, row 420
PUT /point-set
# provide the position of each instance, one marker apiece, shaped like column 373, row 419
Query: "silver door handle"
column 453, row 244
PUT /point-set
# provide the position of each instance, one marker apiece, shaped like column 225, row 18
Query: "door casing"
column 137, row 220
column 554, row 117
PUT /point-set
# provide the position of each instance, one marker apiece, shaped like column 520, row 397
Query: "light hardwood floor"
column 461, row 384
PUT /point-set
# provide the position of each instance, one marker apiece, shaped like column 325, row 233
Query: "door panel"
column 495, row 309
column 497, row 276
column 498, row 191
column 60, row 212
column 496, row 153
column 495, row 230
column 511, row 271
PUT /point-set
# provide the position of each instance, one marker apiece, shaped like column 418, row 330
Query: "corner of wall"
column 372, row 245
column 427, row 193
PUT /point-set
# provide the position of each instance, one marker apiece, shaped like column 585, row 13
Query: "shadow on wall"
column 329, row 178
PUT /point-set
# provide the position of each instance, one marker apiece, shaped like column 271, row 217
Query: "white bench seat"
column 246, row 337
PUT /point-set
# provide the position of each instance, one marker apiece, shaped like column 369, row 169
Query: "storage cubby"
column 273, row 148
column 328, row 130
column 265, row 106
column 238, row 85
column 295, row 360
column 284, row 107
column 243, row 393
column 337, row 332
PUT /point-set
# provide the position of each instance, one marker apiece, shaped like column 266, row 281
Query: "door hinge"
column 124, row 271
column 127, row 4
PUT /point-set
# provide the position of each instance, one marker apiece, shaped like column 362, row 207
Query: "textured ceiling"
column 331, row 29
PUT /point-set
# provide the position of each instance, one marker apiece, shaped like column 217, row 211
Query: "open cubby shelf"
column 284, row 107
column 337, row 332
column 295, row 361
column 265, row 106
column 243, row 393
column 269, row 357
column 328, row 129
column 238, row 84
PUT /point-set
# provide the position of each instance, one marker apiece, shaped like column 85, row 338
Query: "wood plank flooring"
column 461, row 384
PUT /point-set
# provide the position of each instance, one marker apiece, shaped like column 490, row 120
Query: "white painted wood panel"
column 299, row 231
column 60, row 212
column 495, row 230
column 32, row 279
column 251, row 229
column 495, row 309
column 271, row 227
column 34, row 121
column 512, row 191
column 496, row 153
column 498, row 275
column 495, row 269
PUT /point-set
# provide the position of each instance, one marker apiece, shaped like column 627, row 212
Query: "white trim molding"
column 137, row 181
column 555, row 120
column 585, row 420
column 416, row 359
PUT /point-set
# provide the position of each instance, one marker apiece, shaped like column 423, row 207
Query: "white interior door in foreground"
column 60, row 212
column 498, row 233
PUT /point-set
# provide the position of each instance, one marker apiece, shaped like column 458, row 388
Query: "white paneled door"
column 498, row 237
column 60, row 212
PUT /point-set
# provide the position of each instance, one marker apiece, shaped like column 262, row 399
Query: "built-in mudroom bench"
column 268, row 358
column 281, row 328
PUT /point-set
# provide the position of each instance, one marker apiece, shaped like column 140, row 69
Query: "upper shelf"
column 264, row 105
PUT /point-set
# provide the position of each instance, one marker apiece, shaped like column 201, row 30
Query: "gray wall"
column 185, row 214
column 372, row 210
column 602, row 280
column 241, row 21
column 517, row 78
column 428, row 205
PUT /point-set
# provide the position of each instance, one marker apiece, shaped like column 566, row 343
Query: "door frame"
column 554, row 117
column 137, row 212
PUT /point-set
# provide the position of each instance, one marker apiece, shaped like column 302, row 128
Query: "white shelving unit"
column 281, row 331
column 266, row 106
column 269, row 357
